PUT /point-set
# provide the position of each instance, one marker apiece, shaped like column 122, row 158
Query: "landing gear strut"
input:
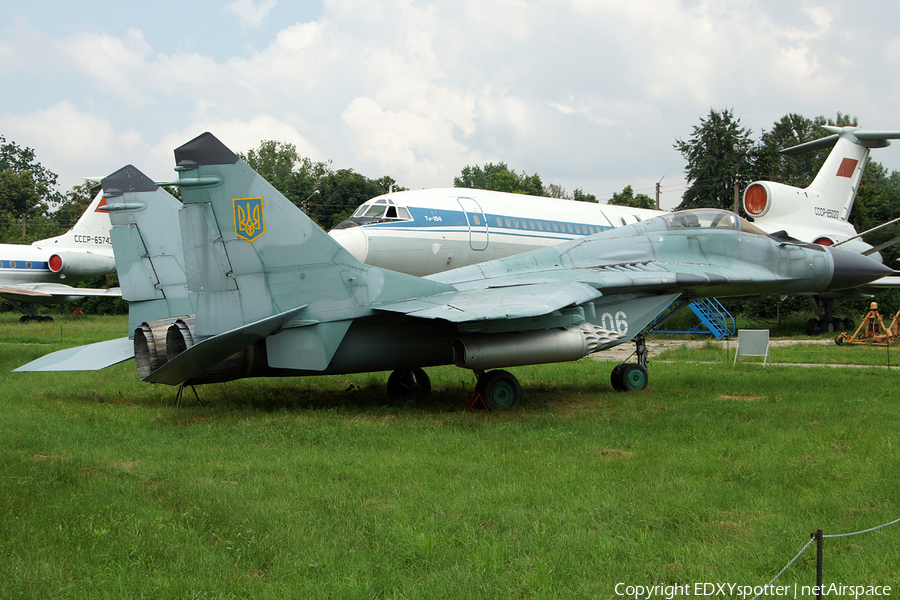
column 30, row 312
column 632, row 377
column 826, row 323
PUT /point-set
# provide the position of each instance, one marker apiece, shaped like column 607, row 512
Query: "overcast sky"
column 589, row 94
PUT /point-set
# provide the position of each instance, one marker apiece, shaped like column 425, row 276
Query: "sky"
column 589, row 94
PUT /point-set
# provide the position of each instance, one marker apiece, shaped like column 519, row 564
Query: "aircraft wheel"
column 847, row 324
column 630, row 378
column 408, row 384
column 813, row 327
column 827, row 325
column 499, row 389
column 615, row 378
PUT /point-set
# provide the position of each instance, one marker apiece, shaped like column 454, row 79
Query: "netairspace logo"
column 707, row 590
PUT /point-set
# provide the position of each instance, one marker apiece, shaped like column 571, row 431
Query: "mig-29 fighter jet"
column 238, row 282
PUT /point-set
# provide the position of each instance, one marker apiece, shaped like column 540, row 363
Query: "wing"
column 538, row 294
column 509, row 302
column 52, row 293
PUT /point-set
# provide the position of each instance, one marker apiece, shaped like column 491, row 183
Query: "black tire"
column 812, row 327
column 631, row 378
column 409, row 384
column 615, row 378
column 499, row 389
column 847, row 324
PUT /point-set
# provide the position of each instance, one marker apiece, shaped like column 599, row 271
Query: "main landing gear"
column 826, row 322
column 498, row 388
column 632, row 377
column 408, row 384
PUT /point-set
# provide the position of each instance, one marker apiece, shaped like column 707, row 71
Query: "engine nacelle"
column 491, row 350
column 770, row 200
column 81, row 264
column 157, row 342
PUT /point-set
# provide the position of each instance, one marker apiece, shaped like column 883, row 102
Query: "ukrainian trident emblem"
column 249, row 220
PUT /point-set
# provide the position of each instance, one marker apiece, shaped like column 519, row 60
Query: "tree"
column 581, row 196
column 500, row 179
column 627, row 198
column 716, row 153
column 21, row 159
column 273, row 160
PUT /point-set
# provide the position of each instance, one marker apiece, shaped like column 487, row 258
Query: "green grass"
column 325, row 488
column 794, row 353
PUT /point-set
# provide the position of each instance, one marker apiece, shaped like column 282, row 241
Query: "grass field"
column 325, row 488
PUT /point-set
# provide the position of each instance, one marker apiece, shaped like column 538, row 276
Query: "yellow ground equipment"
column 872, row 330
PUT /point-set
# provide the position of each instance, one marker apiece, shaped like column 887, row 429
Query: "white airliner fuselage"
column 428, row 231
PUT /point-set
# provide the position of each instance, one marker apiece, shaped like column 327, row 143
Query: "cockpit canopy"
column 702, row 218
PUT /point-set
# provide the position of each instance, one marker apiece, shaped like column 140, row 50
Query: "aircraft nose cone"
column 354, row 240
column 852, row 269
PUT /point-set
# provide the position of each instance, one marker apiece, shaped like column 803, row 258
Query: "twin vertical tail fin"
column 268, row 287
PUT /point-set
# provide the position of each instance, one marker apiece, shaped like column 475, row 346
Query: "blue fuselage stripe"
column 448, row 221
column 24, row 265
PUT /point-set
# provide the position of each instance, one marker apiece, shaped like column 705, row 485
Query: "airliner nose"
column 852, row 269
column 354, row 240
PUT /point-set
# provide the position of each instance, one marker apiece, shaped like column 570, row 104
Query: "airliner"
column 431, row 230
column 37, row 274
column 421, row 232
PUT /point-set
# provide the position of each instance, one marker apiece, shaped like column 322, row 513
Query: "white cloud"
column 588, row 93
column 86, row 143
column 251, row 14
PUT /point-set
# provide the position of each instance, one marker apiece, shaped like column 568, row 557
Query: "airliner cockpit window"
column 375, row 211
column 382, row 209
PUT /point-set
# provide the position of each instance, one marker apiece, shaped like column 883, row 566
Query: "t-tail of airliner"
column 819, row 213
column 84, row 250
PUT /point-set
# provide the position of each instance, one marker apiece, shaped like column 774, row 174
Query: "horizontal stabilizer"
column 861, row 137
column 215, row 349
column 92, row 357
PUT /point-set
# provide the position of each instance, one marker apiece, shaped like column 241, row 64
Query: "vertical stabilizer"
column 90, row 232
column 147, row 241
column 250, row 253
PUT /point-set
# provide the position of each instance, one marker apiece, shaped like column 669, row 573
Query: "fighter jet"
column 246, row 285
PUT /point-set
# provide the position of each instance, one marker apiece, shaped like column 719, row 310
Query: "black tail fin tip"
column 125, row 180
column 205, row 149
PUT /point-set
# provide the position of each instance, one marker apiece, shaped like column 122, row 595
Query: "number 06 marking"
column 618, row 323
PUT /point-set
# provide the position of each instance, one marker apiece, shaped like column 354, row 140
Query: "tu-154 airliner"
column 238, row 282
